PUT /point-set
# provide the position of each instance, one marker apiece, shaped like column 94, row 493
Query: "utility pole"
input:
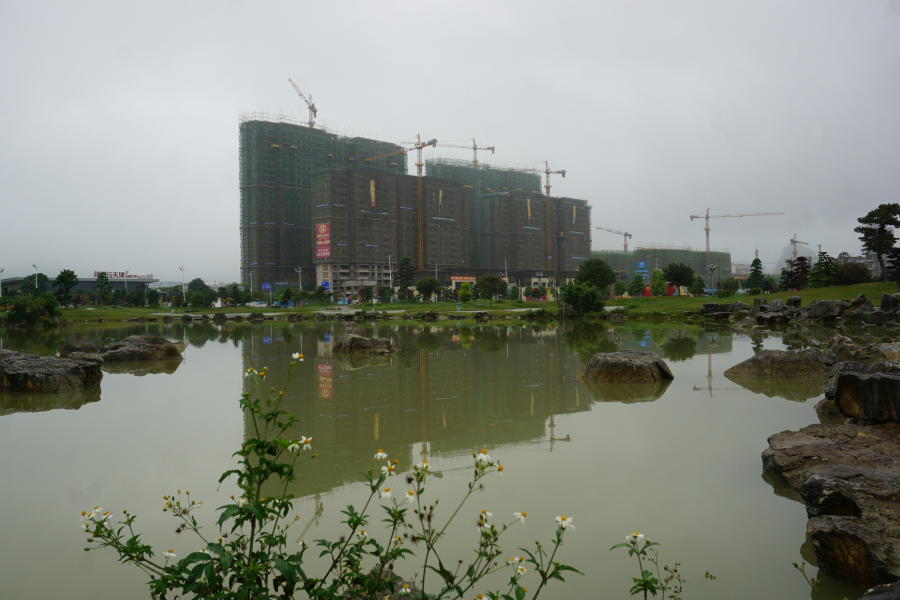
column 391, row 277
column 1, row 283
column 35, row 277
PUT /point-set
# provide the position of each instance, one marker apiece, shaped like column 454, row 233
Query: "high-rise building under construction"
column 277, row 158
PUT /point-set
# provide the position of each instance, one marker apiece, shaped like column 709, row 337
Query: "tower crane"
column 474, row 148
column 622, row 233
column 309, row 103
column 795, row 241
column 418, row 147
column 726, row 213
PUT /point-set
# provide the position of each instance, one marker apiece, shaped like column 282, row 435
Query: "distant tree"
column 365, row 294
column 465, row 292
column 514, row 293
column 405, row 274
column 176, row 299
column 446, row 294
column 28, row 285
column 596, row 272
column 79, row 298
column 679, row 274
column 769, row 284
column 755, row 279
column 538, row 292
column 153, row 297
column 822, row 273
column 197, row 285
column 384, row 294
column 103, row 287
column 137, row 299
column 286, row 296
column 491, row 286
column 582, row 297
column 785, row 282
column 875, row 235
column 222, row 293
column 620, row 287
column 64, row 283
column 658, row 283
column 730, row 284
column 428, row 286
column 636, row 287
column 198, row 299
column 698, row 286
column 851, row 274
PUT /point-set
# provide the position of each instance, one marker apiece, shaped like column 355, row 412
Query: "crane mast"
column 474, row 148
column 309, row 103
column 794, row 242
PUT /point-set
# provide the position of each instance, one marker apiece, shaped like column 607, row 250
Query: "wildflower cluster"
column 249, row 555
column 670, row 584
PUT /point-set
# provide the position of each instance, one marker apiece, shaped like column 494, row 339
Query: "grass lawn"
column 678, row 303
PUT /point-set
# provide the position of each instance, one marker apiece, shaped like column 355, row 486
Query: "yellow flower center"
column 484, row 451
column 521, row 559
column 484, row 511
column 635, row 534
column 84, row 512
column 500, row 468
column 387, row 489
column 523, row 514
column 380, row 451
column 563, row 518
column 171, row 551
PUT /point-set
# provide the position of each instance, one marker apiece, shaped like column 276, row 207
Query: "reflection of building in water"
column 442, row 398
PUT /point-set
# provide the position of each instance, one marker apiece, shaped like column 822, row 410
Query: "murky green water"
column 680, row 463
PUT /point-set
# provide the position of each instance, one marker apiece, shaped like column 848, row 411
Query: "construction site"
column 644, row 258
column 323, row 209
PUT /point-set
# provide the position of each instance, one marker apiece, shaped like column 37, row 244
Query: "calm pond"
column 681, row 465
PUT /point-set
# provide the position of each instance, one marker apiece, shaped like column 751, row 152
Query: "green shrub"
column 755, row 292
column 724, row 293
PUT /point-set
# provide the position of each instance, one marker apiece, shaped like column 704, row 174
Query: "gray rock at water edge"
column 878, row 317
column 82, row 350
column 481, row 315
column 860, row 304
column 739, row 306
column 794, row 301
column 220, row 318
column 625, row 366
column 47, row 375
column 888, row 591
column 777, row 304
column 256, row 316
column 789, row 312
column 895, row 302
column 848, row 476
column 829, row 413
column 349, row 342
column 760, row 301
column 430, row 316
column 238, row 319
column 295, row 317
column 869, row 392
column 141, row 347
column 719, row 316
column 845, row 349
column 168, row 319
column 772, row 319
column 737, row 317
column 186, row 318
column 808, row 363
column 886, row 302
column 857, row 318
column 824, row 309
column 747, row 324
column 710, row 307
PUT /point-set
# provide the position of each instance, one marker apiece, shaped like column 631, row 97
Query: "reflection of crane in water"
column 713, row 343
column 320, row 508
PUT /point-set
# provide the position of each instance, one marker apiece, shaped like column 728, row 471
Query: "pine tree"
column 658, row 283
column 822, row 272
column 756, row 277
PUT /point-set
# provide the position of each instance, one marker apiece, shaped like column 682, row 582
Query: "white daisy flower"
column 483, row 457
column 484, row 526
column 565, row 522
column 380, row 455
column 520, row 570
column 305, row 441
column 293, row 447
column 485, row 515
column 499, row 470
column 513, row 561
column 520, row 516
column 635, row 537
column 405, row 589
column 242, row 501
column 410, row 495
column 388, row 469
column 386, row 493
column 297, row 356
column 170, row 554
column 205, row 551
column 361, row 534
column 423, row 466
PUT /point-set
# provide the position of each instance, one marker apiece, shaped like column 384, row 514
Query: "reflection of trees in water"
column 756, row 341
column 431, row 341
column 465, row 337
column 491, row 342
column 588, row 339
column 681, row 346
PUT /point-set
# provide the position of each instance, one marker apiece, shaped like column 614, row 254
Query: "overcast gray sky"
column 119, row 121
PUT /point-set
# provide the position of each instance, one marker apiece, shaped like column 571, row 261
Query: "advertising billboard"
column 323, row 240
column 326, row 379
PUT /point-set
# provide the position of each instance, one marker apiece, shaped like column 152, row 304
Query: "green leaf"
column 520, row 593
column 230, row 511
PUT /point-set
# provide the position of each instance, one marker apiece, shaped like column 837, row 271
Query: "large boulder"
column 866, row 392
column 256, row 316
column 824, row 309
column 627, row 393
column 219, row 318
column 739, row 306
column 141, row 347
column 860, row 304
column 888, row 591
column 82, row 350
column 797, row 364
column 885, row 302
column 878, row 317
column 760, row 301
column 349, row 342
column 777, row 304
column 848, row 476
column 895, row 302
column 625, row 366
column 794, row 301
column 845, row 349
column 47, row 375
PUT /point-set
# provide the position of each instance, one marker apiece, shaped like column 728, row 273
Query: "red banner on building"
column 323, row 240
column 325, row 381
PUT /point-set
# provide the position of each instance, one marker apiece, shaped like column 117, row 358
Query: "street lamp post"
column 712, row 272
column 35, row 278
column 299, row 272
column 183, row 293
column 1, row 283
